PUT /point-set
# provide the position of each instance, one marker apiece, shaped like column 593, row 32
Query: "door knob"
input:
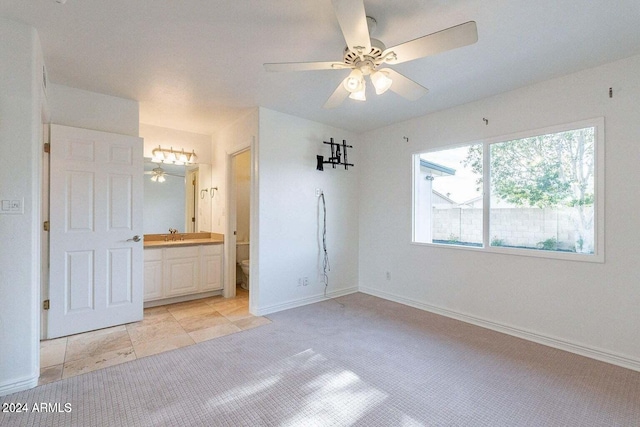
column 134, row 239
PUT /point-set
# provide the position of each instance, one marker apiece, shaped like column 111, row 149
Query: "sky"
column 461, row 186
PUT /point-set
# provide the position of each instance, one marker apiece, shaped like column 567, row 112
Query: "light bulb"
column 359, row 95
column 172, row 156
column 182, row 158
column 354, row 82
column 154, row 178
column 381, row 81
column 158, row 155
column 161, row 178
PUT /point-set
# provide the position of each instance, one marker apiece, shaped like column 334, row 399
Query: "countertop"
column 182, row 239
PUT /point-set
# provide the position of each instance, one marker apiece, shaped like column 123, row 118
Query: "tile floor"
column 162, row 329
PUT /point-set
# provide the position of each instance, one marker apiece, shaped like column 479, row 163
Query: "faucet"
column 173, row 232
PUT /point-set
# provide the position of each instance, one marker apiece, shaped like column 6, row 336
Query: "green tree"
column 554, row 170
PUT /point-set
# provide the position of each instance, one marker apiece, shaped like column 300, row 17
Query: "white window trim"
column 599, row 187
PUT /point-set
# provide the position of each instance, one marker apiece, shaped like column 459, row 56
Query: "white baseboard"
column 18, row 385
column 579, row 349
column 305, row 301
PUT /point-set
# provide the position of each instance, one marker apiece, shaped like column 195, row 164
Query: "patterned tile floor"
column 162, row 329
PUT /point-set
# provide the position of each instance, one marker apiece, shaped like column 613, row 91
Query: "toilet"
column 244, row 264
column 242, row 259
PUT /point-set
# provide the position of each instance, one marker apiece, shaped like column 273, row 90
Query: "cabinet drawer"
column 211, row 249
column 183, row 252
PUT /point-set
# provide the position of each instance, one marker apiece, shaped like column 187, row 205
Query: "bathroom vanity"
column 181, row 267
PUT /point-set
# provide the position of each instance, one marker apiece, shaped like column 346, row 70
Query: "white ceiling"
column 194, row 65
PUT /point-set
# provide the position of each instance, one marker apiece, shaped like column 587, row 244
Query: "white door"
column 96, row 252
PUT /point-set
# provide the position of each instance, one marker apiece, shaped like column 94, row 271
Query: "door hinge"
column 47, row 147
column 45, row 304
column 45, row 225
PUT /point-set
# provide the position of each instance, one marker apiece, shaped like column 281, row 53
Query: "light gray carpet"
column 365, row 362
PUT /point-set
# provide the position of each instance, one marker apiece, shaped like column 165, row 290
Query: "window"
column 537, row 193
column 448, row 197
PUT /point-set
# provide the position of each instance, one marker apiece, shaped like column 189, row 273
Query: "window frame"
column 598, row 256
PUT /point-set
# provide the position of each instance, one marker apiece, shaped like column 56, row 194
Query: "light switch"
column 14, row 206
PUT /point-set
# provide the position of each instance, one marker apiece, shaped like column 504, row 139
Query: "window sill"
column 531, row 253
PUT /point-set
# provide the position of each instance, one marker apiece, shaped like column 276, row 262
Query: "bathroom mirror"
column 176, row 196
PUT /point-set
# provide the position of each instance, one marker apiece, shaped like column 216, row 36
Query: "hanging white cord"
column 325, row 261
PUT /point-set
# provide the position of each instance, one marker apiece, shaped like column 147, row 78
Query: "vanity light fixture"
column 169, row 155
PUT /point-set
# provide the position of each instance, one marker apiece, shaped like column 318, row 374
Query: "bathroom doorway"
column 240, row 214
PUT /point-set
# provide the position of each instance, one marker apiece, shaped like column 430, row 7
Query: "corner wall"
column 21, row 107
column 587, row 308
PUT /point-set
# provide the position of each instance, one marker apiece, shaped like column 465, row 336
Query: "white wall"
column 289, row 244
column 21, row 106
column 589, row 308
column 240, row 135
column 90, row 110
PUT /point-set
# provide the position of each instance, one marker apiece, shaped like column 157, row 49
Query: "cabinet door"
column 152, row 274
column 181, row 270
column 211, row 264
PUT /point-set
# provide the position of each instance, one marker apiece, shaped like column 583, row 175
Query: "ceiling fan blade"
column 305, row 66
column 451, row 38
column 404, row 86
column 339, row 95
column 353, row 23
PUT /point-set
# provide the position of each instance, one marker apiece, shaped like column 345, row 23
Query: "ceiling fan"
column 159, row 175
column 364, row 55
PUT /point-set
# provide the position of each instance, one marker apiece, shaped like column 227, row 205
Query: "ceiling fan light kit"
column 381, row 81
column 364, row 55
column 158, row 175
column 354, row 81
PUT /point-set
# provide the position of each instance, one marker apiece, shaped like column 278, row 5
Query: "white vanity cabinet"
column 211, row 267
column 178, row 271
column 153, row 274
column 181, row 268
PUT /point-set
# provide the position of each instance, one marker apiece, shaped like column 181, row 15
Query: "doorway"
column 239, row 217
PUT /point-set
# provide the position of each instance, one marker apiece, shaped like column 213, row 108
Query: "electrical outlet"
column 388, row 275
column 318, row 192
column 299, row 281
column 305, row 281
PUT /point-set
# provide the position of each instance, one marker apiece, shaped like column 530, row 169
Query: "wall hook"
column 213, row 189
column 486, row 121
column 204, row 190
